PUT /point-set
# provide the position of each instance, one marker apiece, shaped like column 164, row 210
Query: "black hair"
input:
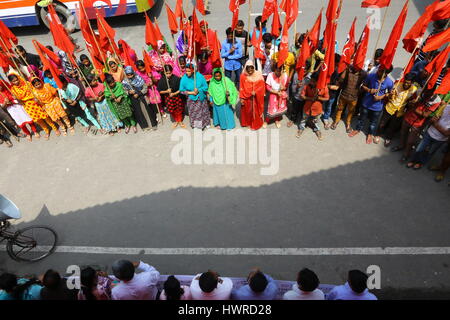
column 139, row 63
column 63, row 79
column 35, row 80
column 307, row 280
column 12, row 76
column 207, row 282
column 51, row 279
column 168, row 68
column 240, row 23
column 109, row 79
column 172, row 288
column 122, row 269
column 87, row 278
column 8, row 282
column 110, row 62
column 258, row 20
column 258, row 282
column 47, row 73
column 409, row 76
column 267, row 37
column 378, row 53
column 49, row 48
column 229, row 31
column 387, row 71
column 357, row 280
column 84, row 57
column 204, row 55
column 20, row 48
column 182, row 58
column 218, row 71
column 315, row 76
column 337, row 58
column 90, row 78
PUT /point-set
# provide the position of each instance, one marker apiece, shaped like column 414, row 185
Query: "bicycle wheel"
column 32, row 243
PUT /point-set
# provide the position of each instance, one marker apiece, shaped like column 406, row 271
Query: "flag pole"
column 248, row 27
column 94, row 36
column 109, row 40
column 381, row 30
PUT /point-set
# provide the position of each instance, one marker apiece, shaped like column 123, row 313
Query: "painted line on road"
column 253, row 251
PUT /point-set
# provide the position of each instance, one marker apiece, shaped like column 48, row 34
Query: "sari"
column 252, row 107
column 277, row 104
column 175, row 105
column 48, row 96
column 159, row 59
column 107, row 120
column 24, row 93
column 119, row 74
column 122, row 110
column 199, row 114
column 223, row 115
column 15, row 110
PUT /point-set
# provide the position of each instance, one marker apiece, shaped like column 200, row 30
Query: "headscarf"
column 160, row 44
column 135, row 83
column 119, row 74
column 65, row 63
column 199, row 82
column 217, row 89
column 256, row 76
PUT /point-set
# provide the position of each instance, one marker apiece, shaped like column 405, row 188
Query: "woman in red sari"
column 252, row 92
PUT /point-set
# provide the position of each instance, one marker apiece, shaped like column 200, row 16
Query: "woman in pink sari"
column 165, row 58
column 151, row 81
column 277, row 86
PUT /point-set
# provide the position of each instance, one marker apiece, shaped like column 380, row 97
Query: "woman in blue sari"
column 195, row 87
column 223, row 95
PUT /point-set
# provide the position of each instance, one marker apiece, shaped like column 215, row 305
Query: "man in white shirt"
column 305, row 288
column 354, row 289
column 209, row 286
column 139, row 286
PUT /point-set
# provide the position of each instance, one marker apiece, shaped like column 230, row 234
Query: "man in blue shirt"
column 232, row 53
column 260, row 287
column 354, row 289
column 373, row 102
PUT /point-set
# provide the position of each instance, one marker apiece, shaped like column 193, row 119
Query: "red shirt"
column 415, row 120
column 314, row 108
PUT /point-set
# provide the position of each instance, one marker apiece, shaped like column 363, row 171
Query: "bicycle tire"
column 19, row 237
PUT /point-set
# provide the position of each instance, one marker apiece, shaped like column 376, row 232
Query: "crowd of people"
column 259, row 92
column 139, row 281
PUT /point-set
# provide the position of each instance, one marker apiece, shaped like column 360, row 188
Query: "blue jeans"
column 373, row 117
column 237, row 74
column 426, row 148
column 328, row 108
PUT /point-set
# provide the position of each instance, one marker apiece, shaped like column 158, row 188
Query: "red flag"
column 417, row 31
column 256, row 43
column 314, row 33
column 173, row 25
column 201, row 7
column 215, row 56
column 441, row 10
column 151, row 3
column 349, row 49
column 42, row 51
column 331, row 14
column 270, row 7
column 234, row 8
column 276, row 23
column 106, row 35
column 148, row 62
column 179, row 9
column 361, row 51
column 375, row 3
column 328, row 66
column 392, row 44
column 60, row 36
column 410, row 65
column 436, row 41
column 305, row 53
column 435, row 67
column 444, row 88
column 90, row 38
column 151, row 37
column 196, row 30
column 4, row 61
column 291, row 17
column 284, row 46
column 6, row 36
column 125, row 53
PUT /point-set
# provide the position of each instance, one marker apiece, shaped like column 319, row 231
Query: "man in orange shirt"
column 312, row 109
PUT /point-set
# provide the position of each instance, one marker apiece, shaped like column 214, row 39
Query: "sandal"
column 264, row 125
column 9, row 144
column 333, row 126
column 289, row 124
column 348, row 129
column 58, row 133
column 278, row 124
column 182, row 125
column 174, row 125
column 127, row 130
column 353, row 133
column 376, row 140
column 135, row 130
column 47, row 136
column 387, row 143
column 299, row 134
column 319, row 135
column 37, row 135
column 72, row 131
column 410, row 165
column 439, row 177
column 29, row 138
column 418, row 166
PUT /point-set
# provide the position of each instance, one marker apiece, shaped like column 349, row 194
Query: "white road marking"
column 253, row 251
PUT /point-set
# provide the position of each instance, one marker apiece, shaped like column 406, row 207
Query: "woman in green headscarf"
column 223, row 95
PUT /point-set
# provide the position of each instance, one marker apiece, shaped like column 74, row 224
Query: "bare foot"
column 174, row 125
column 182, row 125
column 58, row 133
column 47, row 136
column 72, row 131
column 37, row 135
column 264, row 125
column 29, row 138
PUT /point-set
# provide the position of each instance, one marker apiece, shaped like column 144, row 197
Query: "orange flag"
column 173, row 25
column 441, row 10
column 276, row 25
column 201, row 7
column 314, row 33
column 234, row 8
column 417, row 31
column 179, row 9
column 444, row 88
column 349, row 49
column 329, row 61
column 269, row 8
column 436, row 41
column 392, row 44
column 361, row 51
column 436, row 65
column 42, row 51
column 291, row 17
column 6, row 36
column 150, row 33
column 126, row 53
column 215, row 56
column 375, row 3
column 284, row 45
column 148, row 62
column 305, row 53
column 256, row 43
column 60, row 36
column 106, row 35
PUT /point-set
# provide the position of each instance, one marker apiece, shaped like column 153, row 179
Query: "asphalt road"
column 126, row 192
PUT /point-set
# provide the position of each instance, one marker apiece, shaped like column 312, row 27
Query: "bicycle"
column 30, row 244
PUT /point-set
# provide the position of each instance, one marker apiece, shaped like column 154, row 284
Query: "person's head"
column 259, row 23
column 240, row 27
column 37, row 83
column 85, row 60
column 377, row 55
column 307, row 280
column 189, row 70
column 407, row 82
column 168, row 70
column 357, row 280
column 208, row 281
column 89, row 280
column 123, row 269
column 8, row 282
column 129, row 72
column 172, row 288
column 229, row 33
column 267, row 39
column 383, row 72
column 109, row 79
column 217, row 75
column 63, row 81
column 250, row 68
column 113, row 65
column 337, row 59
column 204, row 57
column 51, row 279
column 20, row 50
column 439, row 24
column 258, row 282
column 48, row 74
column 161, row 47
column 49, row 48
column 140, row 65
column 14, row 79
column 182, row 62
column 277, row 69
column 92, row 79
column 427, row 93
column 204, row 26
column 313, row 80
